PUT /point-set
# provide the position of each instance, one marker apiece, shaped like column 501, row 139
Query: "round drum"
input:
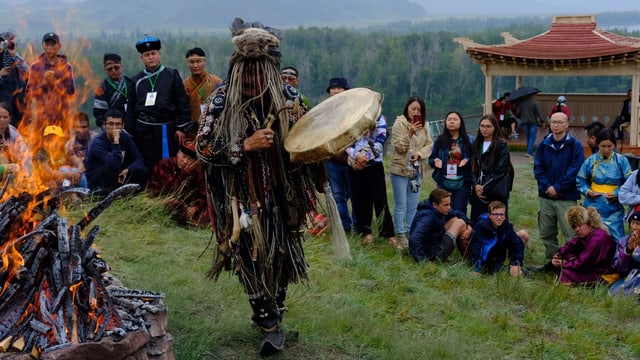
column 333, row 125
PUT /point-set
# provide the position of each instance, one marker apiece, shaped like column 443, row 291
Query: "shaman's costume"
column 258, row 198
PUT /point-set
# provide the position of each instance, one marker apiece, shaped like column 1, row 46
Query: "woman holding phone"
column 411, row 145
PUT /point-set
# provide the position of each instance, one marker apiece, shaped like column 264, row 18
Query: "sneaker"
column 271, row 342
column 529, row 155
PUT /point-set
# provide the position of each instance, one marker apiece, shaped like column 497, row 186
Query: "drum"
column 333, row 125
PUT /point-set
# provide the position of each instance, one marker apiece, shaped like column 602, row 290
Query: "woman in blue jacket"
column 450, row 160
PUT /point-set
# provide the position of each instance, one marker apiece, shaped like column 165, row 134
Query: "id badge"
column 203, row 108
column 452, row 170
column 151, row 99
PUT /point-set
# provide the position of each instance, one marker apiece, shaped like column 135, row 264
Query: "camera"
column 414, row 185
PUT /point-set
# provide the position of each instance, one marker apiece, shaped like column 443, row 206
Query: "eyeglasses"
column 113, row 124
column 113, row 68
column 557, row 122
column 288, row 77
column 498, row 215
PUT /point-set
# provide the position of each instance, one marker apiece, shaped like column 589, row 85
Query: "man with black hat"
column 114, row 91
column 50, row 88
column 260, row 198
column 338, row 168
column 158, row 113
column 200, row 84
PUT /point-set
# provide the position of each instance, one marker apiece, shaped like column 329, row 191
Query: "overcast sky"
column 525, row 7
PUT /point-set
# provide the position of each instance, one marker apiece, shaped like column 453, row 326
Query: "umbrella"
column 522, row 92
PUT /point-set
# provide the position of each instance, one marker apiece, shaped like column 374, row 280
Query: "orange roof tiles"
column 565, row 41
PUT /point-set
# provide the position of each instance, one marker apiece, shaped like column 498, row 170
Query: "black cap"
column 338, row 82
column 635, row 216
column 51, row 37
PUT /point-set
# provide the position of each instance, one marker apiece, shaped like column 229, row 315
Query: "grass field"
column 380, row 305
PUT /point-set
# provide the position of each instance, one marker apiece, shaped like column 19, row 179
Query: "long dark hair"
column 423, row 109
column 490, row 154
column 444, row 139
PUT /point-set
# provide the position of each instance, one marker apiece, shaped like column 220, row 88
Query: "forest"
column 397, row 64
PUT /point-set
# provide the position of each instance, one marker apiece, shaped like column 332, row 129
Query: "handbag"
column 453, row 183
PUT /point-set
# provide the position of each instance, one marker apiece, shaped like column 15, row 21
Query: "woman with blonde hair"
column 588, row 255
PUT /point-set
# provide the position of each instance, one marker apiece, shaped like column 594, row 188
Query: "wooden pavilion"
column 573, row 46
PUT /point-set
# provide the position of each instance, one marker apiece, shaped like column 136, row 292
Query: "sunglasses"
column 113, row 68
column 11, row 45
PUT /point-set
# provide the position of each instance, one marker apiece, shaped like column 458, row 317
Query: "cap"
column 51, row 37
column 53, row 130
column 188, row 148
column 338, row 82
column 635, row 216
column 148, row 43
column 561, row 99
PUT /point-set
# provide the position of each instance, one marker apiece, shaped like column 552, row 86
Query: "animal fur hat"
column 578, row 215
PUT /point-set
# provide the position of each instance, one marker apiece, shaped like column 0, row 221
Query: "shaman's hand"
column 260, row 140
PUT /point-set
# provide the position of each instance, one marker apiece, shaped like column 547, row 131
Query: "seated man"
column 51, row 164
column 436, row 228
column 113, row 158
column 181, row 180
column 493, row 237
column 76, row 148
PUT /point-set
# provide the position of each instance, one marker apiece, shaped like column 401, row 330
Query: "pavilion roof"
column 570, row 40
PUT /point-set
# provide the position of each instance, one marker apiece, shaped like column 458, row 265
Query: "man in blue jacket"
column 436, row 228
column 557, row 162
column 113, row 158
column 493, row 237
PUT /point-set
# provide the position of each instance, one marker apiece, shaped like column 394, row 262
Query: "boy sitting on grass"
column 436, row 228
column 493, row 237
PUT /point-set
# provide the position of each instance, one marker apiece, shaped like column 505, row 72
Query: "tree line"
column 425, row 63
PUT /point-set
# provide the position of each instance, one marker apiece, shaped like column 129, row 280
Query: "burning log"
column 54, row 288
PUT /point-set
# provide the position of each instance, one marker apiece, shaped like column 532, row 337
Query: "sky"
column 526, row 7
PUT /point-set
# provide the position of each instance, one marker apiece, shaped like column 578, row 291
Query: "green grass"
column 381, row 305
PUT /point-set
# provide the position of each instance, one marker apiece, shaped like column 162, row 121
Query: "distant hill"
column 34, row 17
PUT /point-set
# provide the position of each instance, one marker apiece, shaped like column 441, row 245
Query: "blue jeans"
column 405, row 203
column 341, row 188
column 530, row 131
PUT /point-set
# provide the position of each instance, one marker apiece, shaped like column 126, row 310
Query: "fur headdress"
column 257, row 51
column 254, row 40
column 577, row 215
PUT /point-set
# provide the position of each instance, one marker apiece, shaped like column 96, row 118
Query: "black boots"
column 272, row 340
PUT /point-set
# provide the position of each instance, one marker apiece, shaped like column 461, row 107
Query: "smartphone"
column 417, row 119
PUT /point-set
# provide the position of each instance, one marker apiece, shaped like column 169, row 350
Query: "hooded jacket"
column 489, row 246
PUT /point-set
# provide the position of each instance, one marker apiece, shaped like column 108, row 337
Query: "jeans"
column 405, row 203
column 530, row 131
column 341, row 188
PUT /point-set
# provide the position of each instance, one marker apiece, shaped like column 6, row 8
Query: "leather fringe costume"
column 258, row 199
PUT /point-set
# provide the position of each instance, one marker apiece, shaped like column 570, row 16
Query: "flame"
column 12, row 261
